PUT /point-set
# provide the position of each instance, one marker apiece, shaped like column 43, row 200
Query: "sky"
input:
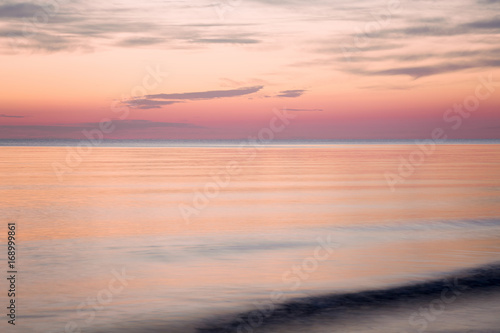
column 224, row 69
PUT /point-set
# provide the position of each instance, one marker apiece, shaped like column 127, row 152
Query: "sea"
column 200, row 237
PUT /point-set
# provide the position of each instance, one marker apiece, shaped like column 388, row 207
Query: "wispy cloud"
column 157, row 101
column 207, row 94
column 140, row 41
column 375, row 43
column 226, row 41
column 10, row 116
column 487, row 24
column 291, row 93
column 19, row 10
column 484, row 25
column 421, row 71
column 70, row 23
column 148, row 103
column 479, row 54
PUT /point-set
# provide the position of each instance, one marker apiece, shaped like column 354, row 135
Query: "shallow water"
column 205, row 236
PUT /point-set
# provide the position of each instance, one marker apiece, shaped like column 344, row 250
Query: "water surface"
column 208, row 235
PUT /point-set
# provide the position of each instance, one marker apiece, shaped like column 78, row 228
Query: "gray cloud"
column 460, row 29
column 291, row 93
column 492, row 23
column 140, row 41
column 77, row 25
column 92, row 28
column 157, row 101
column 477, row 53
column 10, row 32
column 288, row 2
column 440, row 29
column 226, row 41
column 432, row 30
column 148, row 103
column 9, row 116
column 74, row 21
column 349, row 47
column 19, row 10
column 146, row 107
column 421, row 71
column 207, row 94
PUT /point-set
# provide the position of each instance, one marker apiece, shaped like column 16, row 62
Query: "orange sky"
column 216, row 70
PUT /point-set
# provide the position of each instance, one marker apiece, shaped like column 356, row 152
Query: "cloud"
column 159, row 24
column 9, row 116
column 412, row 57
column 226, row 40
column 101, row 29
column 478, row 26
column 145, row 107
column 421, row 71
column 492, row 23
column 140, row 41
column 291, row 93
column 19, row 10
column 148, row 103
column 157, row 101
column 438, row 29
column 348, row 46
column 285, row 2
column 43, row 42
column 62, row 26
column 429, row 30
column 207, row 94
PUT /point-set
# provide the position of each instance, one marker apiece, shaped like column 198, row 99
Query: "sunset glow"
column 216, row 70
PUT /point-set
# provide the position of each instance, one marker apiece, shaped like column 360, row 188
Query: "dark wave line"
column 337, row 305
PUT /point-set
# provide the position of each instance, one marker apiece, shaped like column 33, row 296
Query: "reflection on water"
column 301, row 221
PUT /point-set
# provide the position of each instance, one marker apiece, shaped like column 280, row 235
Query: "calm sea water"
column 275, row 239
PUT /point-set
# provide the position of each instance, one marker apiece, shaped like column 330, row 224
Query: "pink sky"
column 217, row 69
